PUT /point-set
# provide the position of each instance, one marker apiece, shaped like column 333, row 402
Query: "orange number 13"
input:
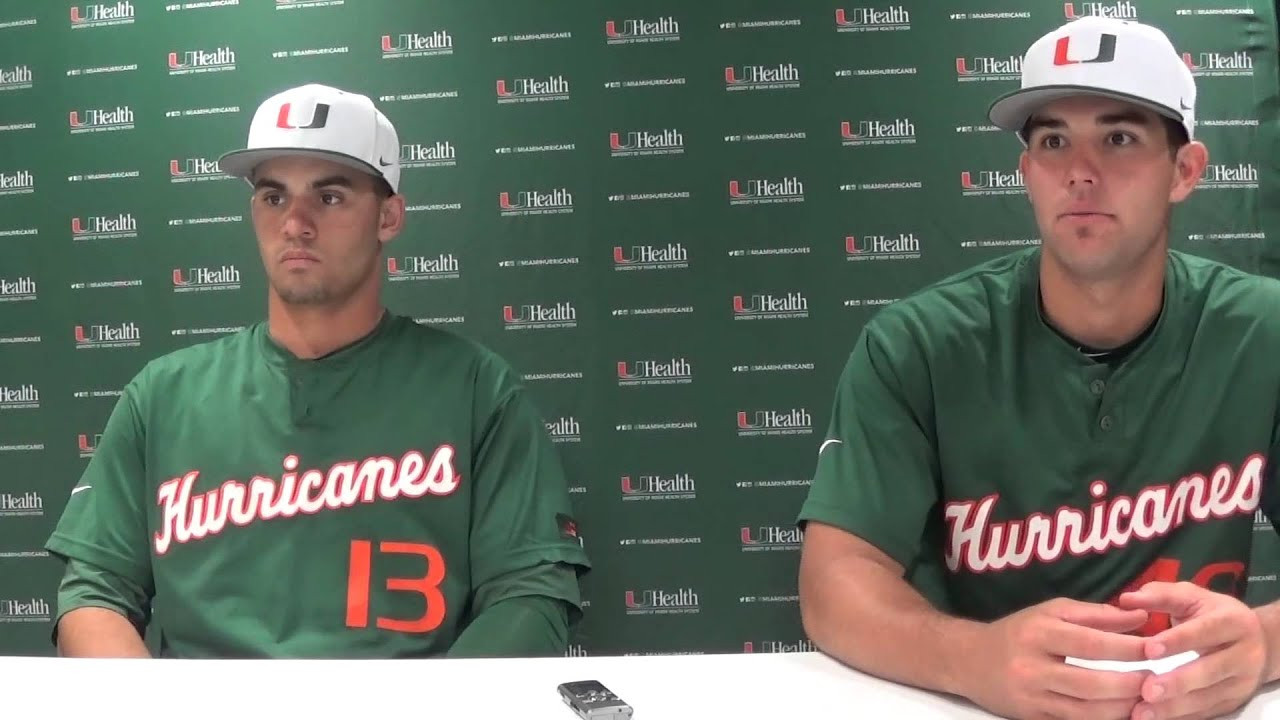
column 428, row 586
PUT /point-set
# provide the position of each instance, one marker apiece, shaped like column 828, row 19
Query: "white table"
column 783, row 686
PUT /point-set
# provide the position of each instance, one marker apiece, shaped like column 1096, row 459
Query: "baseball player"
column 1060, row 453
column 336, row 481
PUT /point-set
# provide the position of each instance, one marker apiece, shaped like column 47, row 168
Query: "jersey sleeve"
column 521, row 626
column 877, row 472
column 104, row 522
column 522, row 524
column 86, row 585
column 1269, row 498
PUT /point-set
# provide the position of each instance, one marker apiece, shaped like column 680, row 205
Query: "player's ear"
column 390, row 217
column 1188, row 167
column 1023, row 162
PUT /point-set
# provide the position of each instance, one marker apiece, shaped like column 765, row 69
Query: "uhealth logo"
column 195, row 169
column 204, row 279
column 440, row 154
column 775, row 646
column 21, row 182
column 535, row 316
column 992, row 182
column 88, row 444
column 861, row 19
column 104, row 227
column 796, row 421
column 102, row 14
column 903, row 246
column 17, row 78
column 766, row 306
column 420, row 267
column 899, row 131
column 1211, row 64
column 680, row 486
column 771, row 537
column 23, row 397
column 527, row 89
column 202, row 61
column 784, row 76
column 676, row 371
column 764, row 191
column 986, row 69
column 108, row 336
column 405, row 45
column 24, row 288
column 650, row 257
column 23, row 611
column 100, row 120
column 634, row 143
column 28, row 504
column 564, row 429
column 1119, row 10
column 535, row 202
column 297, row 4
column 636, row 30
column 683, row 601
column 1233, row 177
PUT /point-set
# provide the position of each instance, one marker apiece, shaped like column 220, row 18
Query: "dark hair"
column 1175, row 132
column 382, row 188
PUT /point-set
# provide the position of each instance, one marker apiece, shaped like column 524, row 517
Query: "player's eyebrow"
column 1132, row 117
column 335, row 180
column 1118, row 117
column 265, row 183
column 329, row 181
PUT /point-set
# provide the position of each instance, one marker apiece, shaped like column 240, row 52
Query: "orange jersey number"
column 1169, row 570
column 359, row 573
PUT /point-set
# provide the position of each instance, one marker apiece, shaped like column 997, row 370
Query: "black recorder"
column 593, row 701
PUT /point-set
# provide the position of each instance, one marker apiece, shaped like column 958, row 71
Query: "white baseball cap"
column 324, row 122
column 1102, row 56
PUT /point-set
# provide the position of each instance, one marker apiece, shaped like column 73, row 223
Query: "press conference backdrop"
column 673, row 218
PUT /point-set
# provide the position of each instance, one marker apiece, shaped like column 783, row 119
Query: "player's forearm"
column 98, row 632
column 861, row 613
column 526, row 626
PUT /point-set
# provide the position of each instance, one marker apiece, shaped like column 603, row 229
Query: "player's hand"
column 1019, row 669
column 1226, row 633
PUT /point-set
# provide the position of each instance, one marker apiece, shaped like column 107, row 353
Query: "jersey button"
column 1105, row 423
column 1097, row 387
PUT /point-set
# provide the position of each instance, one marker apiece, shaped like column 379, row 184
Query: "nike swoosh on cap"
column 829, row 442
column 383, row 163
column 78, row 489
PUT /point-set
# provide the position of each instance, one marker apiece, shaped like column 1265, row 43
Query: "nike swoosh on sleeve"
column 78, row 489
column 829, row 442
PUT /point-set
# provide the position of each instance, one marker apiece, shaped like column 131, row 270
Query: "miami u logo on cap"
column 318, row 117
column 1106, row 51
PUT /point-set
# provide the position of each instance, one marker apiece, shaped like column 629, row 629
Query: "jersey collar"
column 279, row 356
column 1046, row 336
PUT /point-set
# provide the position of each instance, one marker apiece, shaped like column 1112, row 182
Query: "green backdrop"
column 672, row 217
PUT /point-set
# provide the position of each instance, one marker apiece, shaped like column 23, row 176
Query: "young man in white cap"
column 336, row 481
column 1059, row 454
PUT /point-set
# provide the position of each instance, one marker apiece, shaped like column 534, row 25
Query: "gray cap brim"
column 241, row 163
column 1012, row 110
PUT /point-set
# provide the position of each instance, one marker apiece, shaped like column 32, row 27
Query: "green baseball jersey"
column 363, row 504
column 1002, row 467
